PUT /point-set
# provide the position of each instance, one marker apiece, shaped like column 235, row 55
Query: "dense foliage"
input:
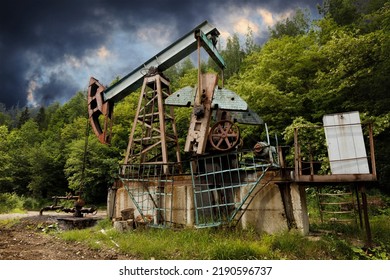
column 306, row 69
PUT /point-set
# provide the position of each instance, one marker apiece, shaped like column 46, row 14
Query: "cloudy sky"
column 50, row 48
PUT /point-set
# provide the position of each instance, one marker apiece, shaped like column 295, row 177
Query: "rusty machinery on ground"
column 78, row 208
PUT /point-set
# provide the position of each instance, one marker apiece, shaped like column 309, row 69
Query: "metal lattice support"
column 151, row 192
column 218, row 182
column 153, row 133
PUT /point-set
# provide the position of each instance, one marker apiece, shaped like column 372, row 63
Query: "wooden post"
column 372, row 151
column 366, row 219
column 296, row 154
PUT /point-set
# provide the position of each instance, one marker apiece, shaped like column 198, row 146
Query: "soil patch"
column 25, row 239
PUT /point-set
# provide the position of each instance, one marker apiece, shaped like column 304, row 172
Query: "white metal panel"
column 346, row 149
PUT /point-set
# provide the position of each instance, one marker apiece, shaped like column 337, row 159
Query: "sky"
column 50, row 48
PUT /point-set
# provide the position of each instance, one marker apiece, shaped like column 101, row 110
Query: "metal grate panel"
column 150, row 188
column 218, row 182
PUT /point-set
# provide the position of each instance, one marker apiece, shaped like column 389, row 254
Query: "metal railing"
column 311, row 160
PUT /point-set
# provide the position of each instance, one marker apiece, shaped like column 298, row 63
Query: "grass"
column 8, row 223
column 330, row 241
column 327, row 241
column 214, row 244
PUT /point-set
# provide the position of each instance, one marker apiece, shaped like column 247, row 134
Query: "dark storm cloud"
column 37, row 36
column 46, row 30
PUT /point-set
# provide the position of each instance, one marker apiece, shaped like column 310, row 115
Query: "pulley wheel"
column 224, row 135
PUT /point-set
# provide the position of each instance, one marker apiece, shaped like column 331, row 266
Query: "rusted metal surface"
column 78, row 210
column 156, row 123
column 97, row 107
column 224, row 136
column 372, row 151
column 200, row 123
column 334, row 178
column 365, row 217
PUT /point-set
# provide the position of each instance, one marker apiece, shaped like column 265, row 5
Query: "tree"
column 24, row 117
column 5, row 162
column 5, row 118
column 354, row 76
column 91, row 168
column 41, row 119
column 250, row 45
column 179, row 70
column 20, row 143
column 46, row 164
column 299, row 24
column 65, row 114
column 343, row 12
column 233, row 56
column 275, row 81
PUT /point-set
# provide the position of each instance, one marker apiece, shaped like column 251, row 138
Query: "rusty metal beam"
column 200, row 122
column 335, row 178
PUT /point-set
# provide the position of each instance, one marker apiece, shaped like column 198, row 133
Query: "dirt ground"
column 25, row 240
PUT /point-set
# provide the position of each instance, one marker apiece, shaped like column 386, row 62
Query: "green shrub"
column 10, row 202
column 30, row 203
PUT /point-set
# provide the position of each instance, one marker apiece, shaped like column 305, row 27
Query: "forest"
column 307, row 68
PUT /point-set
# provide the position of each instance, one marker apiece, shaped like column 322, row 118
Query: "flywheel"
column 224, row 135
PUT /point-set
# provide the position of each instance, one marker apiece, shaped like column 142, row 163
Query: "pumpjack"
column 153, row 148
column 158, row 123
column 221, row 180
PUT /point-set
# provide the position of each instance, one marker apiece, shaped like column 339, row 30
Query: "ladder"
column 336, row 205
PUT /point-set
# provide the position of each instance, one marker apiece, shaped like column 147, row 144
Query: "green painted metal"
column 247, row 117
column 163, row 60
column 226, row 99
column 251, row 190
column 209, row 46
column 223, row 99
column 184, row 97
